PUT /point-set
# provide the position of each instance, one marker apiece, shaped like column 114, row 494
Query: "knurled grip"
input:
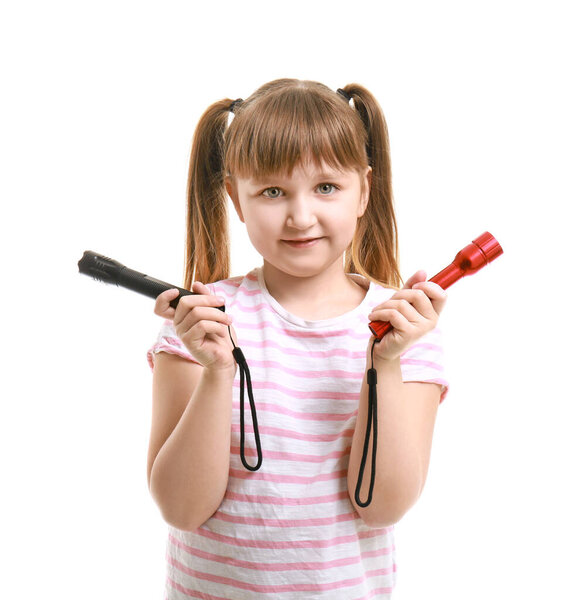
column 150, row 286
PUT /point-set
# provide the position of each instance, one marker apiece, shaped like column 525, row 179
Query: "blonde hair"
column 283, row 123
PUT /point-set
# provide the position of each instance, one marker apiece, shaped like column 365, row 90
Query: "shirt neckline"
column 362, row 309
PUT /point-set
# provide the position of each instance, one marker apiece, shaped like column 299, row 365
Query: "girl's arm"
column 406, row 413
column 189, row 448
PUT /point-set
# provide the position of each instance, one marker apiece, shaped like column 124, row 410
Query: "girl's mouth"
column 302, row 243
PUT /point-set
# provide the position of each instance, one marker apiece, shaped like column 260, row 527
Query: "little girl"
column 308, row 172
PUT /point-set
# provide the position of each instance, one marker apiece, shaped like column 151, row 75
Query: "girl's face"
column 316, row 203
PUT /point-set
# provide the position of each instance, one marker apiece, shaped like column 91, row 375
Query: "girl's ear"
column 366, row 187
column 232, row 191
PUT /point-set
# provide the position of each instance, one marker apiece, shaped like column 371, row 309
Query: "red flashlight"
column 469, row 260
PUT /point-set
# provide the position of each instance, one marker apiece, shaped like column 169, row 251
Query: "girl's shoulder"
column 377, row 293
column 236, row 286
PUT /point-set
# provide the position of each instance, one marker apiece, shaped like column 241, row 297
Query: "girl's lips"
column 302, row 244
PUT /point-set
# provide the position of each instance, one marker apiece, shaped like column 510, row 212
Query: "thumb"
column 199, row 288
column 417, row 277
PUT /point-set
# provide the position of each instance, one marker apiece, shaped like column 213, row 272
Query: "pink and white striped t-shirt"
column 289, row 530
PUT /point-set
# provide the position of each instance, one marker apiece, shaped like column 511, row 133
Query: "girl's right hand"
column 201, row 327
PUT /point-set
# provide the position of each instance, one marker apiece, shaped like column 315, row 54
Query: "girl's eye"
column 327, row 188
column 271, row 192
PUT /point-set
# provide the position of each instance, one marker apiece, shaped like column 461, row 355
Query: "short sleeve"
column 424, row 361
column 167, row 341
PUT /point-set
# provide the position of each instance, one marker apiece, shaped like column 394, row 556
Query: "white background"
column 485, row 103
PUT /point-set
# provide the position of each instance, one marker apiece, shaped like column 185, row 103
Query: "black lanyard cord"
column 371, row 425
column 245, row 374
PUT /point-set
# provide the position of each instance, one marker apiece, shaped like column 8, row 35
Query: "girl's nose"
column 301, row 213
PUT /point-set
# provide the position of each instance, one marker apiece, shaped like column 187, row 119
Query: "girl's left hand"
column 412, row 312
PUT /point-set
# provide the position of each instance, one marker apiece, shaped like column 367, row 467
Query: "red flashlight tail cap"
column 480, row 252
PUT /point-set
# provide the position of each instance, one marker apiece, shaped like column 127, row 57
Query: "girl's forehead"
column 303, row 170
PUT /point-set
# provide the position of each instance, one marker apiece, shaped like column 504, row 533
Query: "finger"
column 200, row 288
column 437, row 295
column 392, row 307
column 199, row 314
column 187, row 303
column 417, row 277
column 162, row 303
column 418, row 298
column 394, row 317
column 203, row 329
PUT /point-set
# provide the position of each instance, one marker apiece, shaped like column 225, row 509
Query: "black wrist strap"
column 245, row 374
column 371, row 425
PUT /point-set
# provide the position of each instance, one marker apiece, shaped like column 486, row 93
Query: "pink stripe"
column 423, row 363
column 281, row 501
column 307, row 353
column 305, row 374
column 307, row 458
column 293, row 333
column 312, row 395
column 245, row 291
column 176, row 343
column 379, row 572
column 234, row 281
column 275, row 589
column 264, row 476
column 278, row 566
column 281, row 545
column 281, row 523
column 296, row 435
column 377, row 592
column 307, row 416
column 193, row 593
column 320, row 417
column 174, row 349
column 201, row 596
column 164, row 347
column 375, row 553
column 433, row 347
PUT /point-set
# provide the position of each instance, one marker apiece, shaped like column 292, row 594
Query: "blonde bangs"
column 277, row 129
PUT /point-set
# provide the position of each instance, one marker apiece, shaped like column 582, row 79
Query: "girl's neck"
column 324, row 296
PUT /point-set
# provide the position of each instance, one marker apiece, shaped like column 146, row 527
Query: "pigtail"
column 374, row 251
column 207, row 245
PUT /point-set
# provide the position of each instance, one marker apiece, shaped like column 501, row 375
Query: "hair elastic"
column 234, row 104
column 344, row 94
